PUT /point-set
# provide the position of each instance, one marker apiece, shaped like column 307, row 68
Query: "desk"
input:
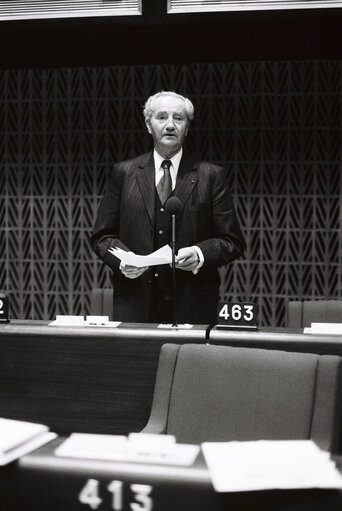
column 44, row 482
column 86, row 379
column 280, row 339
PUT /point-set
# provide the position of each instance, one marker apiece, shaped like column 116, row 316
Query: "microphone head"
column 173, row 205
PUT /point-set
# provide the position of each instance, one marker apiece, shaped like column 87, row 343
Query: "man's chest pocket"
column 198, row 206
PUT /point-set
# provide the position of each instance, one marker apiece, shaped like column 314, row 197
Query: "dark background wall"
column 267, row 93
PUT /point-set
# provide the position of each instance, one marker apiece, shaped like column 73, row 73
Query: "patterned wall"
column 276, row 125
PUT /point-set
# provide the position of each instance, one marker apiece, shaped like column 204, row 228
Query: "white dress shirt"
column 159, row 172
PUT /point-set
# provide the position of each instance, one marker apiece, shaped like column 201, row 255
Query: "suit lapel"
column 186, row 179
column 146, row 183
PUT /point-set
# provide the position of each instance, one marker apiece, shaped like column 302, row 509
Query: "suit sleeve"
column 226, row 242
column 107, row 225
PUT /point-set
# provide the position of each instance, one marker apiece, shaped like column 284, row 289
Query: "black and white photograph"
column 170, row 255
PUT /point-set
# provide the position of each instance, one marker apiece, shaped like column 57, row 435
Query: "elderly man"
column 132, row 217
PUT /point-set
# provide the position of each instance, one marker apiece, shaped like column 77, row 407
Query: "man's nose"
column 170, row 124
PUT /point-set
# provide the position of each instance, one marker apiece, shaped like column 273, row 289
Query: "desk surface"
column 123, row 331
column 45, row 482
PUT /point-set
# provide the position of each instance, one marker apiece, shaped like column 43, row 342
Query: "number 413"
column 90, row 495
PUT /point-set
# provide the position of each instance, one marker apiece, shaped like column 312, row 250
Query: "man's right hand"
column 132, row 272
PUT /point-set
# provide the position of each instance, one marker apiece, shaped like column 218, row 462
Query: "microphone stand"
column 173, row 206
column 173, row 247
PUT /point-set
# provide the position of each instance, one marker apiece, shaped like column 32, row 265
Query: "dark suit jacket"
column 207, row 219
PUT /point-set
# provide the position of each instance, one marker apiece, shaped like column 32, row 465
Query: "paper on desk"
column 161, row 256
column 324, row 328
column 18, row 438
column 91, row 321
column 269, row 464
column 117, row 448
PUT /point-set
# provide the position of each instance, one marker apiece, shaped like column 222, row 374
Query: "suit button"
column 156, row 275
column 160, row 231
column 162, row 210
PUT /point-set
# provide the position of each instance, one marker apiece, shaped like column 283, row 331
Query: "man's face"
column 168, row 125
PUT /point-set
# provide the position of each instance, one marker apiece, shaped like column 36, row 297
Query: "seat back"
column 101, row 303
column 302, row 314
column 222, row 393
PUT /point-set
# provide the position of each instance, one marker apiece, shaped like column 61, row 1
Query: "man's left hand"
column 187, row 259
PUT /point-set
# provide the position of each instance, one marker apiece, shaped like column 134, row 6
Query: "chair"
column 302, row 314
column 222, row 393
column 101, row 303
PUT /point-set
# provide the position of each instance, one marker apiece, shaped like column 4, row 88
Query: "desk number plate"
column 4, row 308
column 237, row 316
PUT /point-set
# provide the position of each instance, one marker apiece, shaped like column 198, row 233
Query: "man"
column 132, row 216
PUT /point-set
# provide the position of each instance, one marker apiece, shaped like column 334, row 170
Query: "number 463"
column 237, row 312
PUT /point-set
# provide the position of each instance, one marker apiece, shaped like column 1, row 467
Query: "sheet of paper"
column 269, row 464
column 90, row 321
column 117, row 448
column 161, row 256
column 67, row 320
column 27, row 447
column 14, row 433
column 18, row 438
column 324, row 329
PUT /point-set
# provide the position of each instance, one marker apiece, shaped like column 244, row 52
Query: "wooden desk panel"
column 97, row 380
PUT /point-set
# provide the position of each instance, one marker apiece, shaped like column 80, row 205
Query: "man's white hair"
column 188, row 106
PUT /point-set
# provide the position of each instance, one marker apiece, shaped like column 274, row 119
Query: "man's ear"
column 148, row 124
column 187, row 129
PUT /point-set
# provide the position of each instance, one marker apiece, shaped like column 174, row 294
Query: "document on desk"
column 120, row 448
column 18, row 438
column 324, row 329
column 269, row 464
column 161, row 256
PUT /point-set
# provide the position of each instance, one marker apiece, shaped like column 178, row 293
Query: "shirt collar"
column 175, row 160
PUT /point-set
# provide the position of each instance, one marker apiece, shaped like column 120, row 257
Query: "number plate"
column 239, row 316
column 4, row 308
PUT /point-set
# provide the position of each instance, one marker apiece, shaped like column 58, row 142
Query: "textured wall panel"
column 275, row 125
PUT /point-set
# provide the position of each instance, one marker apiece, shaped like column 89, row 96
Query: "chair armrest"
column 158, row 420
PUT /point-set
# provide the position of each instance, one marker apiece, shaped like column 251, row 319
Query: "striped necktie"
column 164, row 187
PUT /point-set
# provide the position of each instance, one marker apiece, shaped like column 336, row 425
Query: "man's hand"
column 132, row 272
column 187, row 259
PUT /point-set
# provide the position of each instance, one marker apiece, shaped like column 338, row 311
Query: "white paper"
column 27, row 447
column 90, row 321
column 14, row 432
column 148, row 443
column 161, row 256
column 96, row 320
column 324, row 328
column 117, row 448
column 67, row 320
column 18, row 438
column 269, row 464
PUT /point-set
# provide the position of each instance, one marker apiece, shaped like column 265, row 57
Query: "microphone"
column 173, row 206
